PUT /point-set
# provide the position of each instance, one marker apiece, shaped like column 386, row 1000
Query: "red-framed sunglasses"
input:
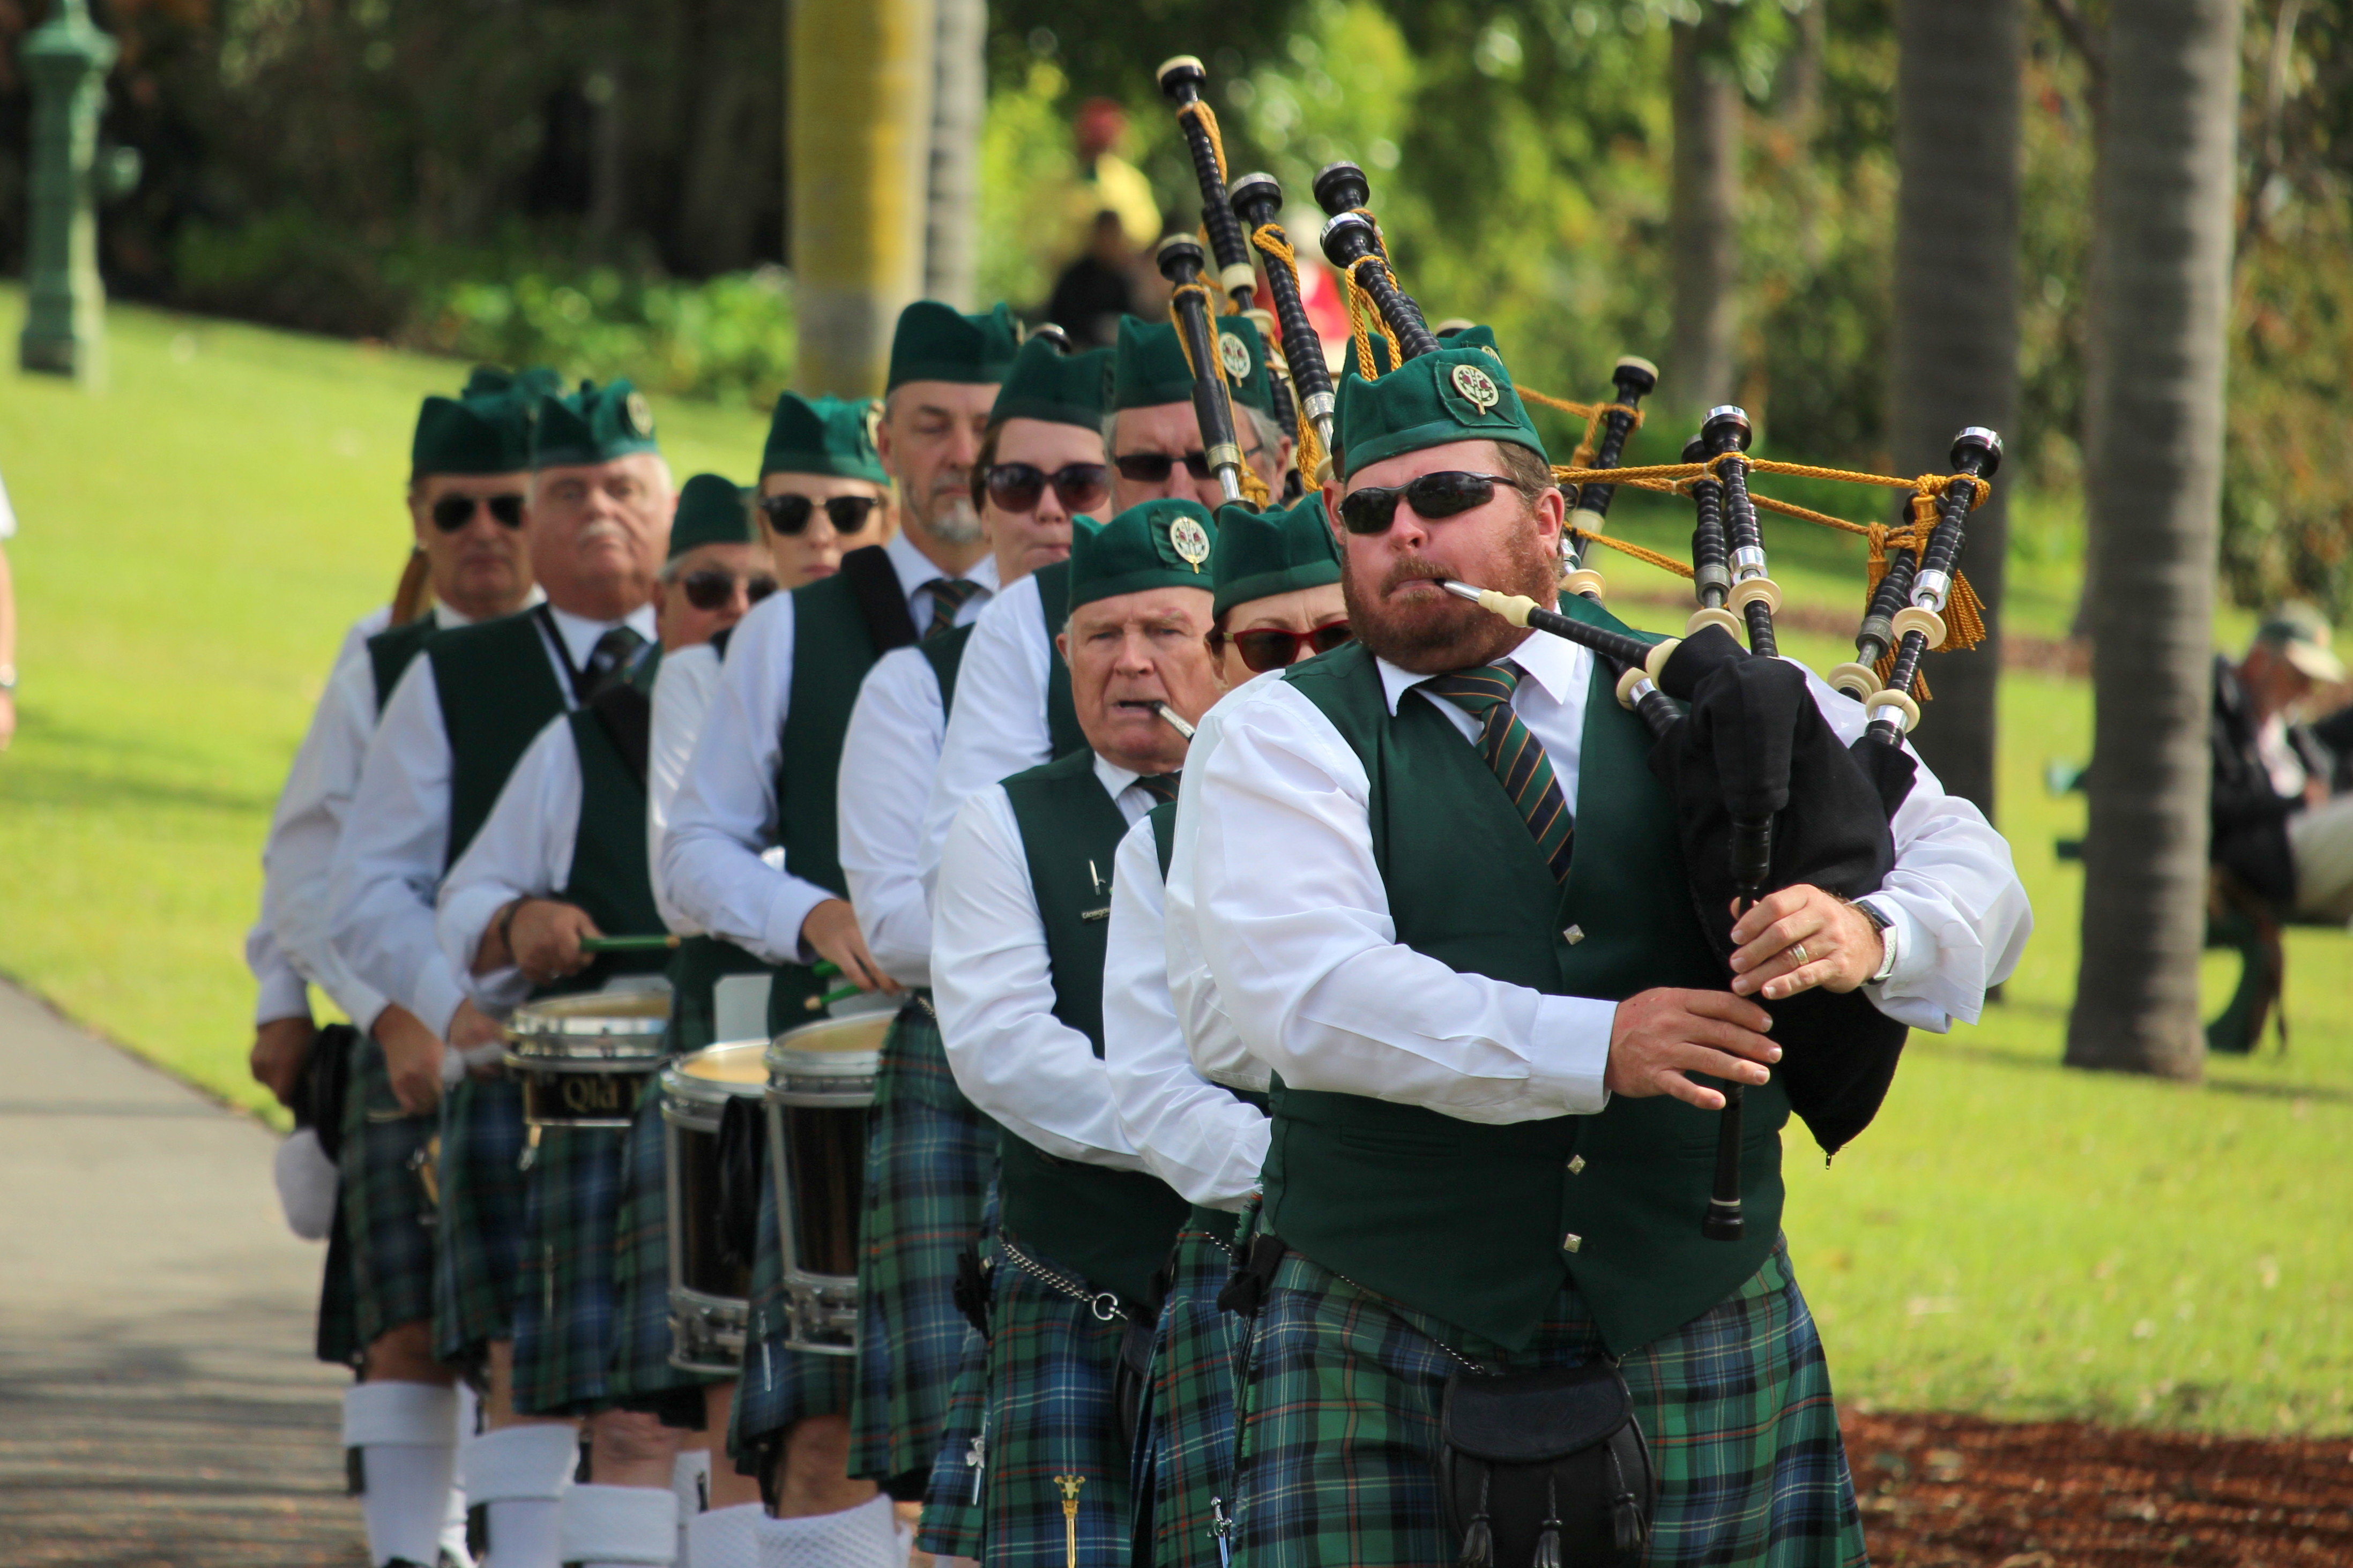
column 1271, row 647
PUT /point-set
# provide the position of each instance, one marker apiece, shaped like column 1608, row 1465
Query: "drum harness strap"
column 1105, row 1304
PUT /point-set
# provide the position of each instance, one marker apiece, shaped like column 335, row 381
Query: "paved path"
column 159, row 1408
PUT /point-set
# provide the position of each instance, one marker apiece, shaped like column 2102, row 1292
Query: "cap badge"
column 1477, row 387
column 1189, row 539
column 637, row 414
column 1235, row 355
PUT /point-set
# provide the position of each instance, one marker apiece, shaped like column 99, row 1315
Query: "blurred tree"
column 1703, row 213
column 2163, row 216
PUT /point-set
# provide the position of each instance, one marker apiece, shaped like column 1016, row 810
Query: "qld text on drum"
column 711, row 1221
column 587, row 1060
column 820, row 1083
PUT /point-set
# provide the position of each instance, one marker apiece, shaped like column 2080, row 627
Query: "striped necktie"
column 608, row 662
column 949, row 595
column 1517, row 757
column 1160, row 787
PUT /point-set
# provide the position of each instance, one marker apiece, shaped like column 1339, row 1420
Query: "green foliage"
column 1026, row 158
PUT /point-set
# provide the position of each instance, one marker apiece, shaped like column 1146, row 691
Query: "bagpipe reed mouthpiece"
column 1927, row 623
column 1512, row 607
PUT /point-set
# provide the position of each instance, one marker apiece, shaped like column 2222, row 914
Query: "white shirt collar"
column 1556, row 664
column 580, row 633
column 916, row 569
column 444, row 618
column 1112, row 778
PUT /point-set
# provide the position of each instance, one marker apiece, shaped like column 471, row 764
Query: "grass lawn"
column 2010, row 1237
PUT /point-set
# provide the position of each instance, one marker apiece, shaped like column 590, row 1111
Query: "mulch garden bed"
column 1953, row 1491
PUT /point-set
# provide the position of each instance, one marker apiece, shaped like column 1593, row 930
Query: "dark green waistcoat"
column 1480, row 1225
column 946, row 655
column 609, row 875
column 390, row 650
column 1114, row 1227
column 498, row 692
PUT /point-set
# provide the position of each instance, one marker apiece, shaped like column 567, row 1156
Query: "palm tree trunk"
column 959, row 100
column 1703, row 213
column 1956, row 359
column 2161, row 286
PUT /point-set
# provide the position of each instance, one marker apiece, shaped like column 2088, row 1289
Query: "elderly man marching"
column 764, row 773
column 932, row 1156
column 1487, row 1008
column 1010, row 678
column 597, row 517
column 467, row 475
column 1277, row 578
column 1018, row 941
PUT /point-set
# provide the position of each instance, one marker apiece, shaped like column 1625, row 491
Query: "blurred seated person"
column 2276, row 826
column 1095, row 291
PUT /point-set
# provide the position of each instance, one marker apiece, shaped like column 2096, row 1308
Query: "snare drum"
column 709, row 1290
column 587, row 1060
column 820, row 1083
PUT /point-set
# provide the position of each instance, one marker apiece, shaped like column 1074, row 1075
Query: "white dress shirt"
column 1192, row 1134
column 1309, row 961
column 888, row 759
column 684, row 688
column 998, row 728
column 994, row 985
column 523, row 850
column 724, row 814
column 396, row 841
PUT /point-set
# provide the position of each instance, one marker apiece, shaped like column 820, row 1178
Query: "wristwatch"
column 1879, row 923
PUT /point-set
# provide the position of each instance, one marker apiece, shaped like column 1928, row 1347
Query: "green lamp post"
column 67, row 60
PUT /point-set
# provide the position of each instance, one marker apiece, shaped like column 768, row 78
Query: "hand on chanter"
column 1659, row 1038
column 1799, row 938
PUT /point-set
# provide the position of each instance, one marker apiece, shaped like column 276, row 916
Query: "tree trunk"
column 1955, row 351
column 1703, row 214
column 2161, row 286
column 959, row 100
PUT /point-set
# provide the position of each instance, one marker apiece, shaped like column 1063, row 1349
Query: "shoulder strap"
column 1164, row 833
column 874, row 583
column 719, row 641
column 627, row 715
column 1053, row 609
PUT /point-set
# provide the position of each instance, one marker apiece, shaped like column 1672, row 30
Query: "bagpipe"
column 1766, row 796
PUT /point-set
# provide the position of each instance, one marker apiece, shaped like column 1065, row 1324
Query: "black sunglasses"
column 1442, row 494
column 1018, row 486
column 451, row 514
column 1152, row 467
column 1271, row 647
column 712, row 588
column 790, row 514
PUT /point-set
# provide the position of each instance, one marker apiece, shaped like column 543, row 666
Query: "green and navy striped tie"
column 1160, row 787
column 949, row 595
column 1517, row 757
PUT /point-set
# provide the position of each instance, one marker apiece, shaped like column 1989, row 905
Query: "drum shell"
column 708, row 1295
column 587, row 1060
column 818, row 1096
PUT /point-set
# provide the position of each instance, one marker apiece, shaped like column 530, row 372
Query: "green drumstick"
column 825, row 969
column 627, row 943
column 839, row 994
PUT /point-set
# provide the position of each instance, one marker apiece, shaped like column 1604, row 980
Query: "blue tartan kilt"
column 951, row 1520
column 564, row 1320
column 1341, row 1399
column 384, row 1215
column 641, row 1335
column 931, row 1156
column 478, row 1242
column 1192, row 1426
column 779, row 1388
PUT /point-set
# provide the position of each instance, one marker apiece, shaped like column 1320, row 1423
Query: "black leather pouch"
column 1545, row 1470
column 1130, row 1378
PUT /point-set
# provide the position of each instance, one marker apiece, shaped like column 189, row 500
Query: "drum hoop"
column 633, row 1065
column 821, row 1099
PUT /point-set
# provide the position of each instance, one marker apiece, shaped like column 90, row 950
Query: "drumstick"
column 1175, row 723
column 839, row 994
column 627, row 943
column 825, row 969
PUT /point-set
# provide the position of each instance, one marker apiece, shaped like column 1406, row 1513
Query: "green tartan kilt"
column 779, row 1387
column 1193, row 1397
column 951, row 1522
column 477, row 1245
column 641, row 1336
column 1341, row 1401
column 1049, row 1417
column 930, row 1158
column 564, row 1313
column 384, row 1219
column 337, row 1342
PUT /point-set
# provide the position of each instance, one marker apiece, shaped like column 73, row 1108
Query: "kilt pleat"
column 778, row 1386
column 641, row 1336
column 477, row 1243
column 384, row 1220
column 1340, row 1438
column 930, row 1158
column 1193, row 1400
column 564, row 1317
column 951, row 1519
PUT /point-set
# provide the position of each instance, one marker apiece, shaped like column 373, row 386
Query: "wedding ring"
column 1798, row 954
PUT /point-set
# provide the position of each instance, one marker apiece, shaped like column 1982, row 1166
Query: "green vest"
column 1114, row 1229
column 498, row 692
column 1481, row 1225
column 609, row 878
column 946, row 655
column 390, row 650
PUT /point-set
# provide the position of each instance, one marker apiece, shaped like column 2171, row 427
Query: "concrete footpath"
column 159, row 1405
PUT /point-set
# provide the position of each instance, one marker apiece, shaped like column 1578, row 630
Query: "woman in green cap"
column 822, row 488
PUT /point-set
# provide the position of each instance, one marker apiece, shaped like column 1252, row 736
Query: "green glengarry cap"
column 1164, row 543
column 485, row 430
column 595, row 425
column 712, row 510
column 939, row 342
column 1259, row 554
column 1062, row 389
column 823, row 435
column 1454, row 394
column 1148, row 367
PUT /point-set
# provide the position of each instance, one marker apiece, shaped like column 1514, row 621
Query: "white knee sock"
column 620, row 1527
column 724, row 1538
column 866, row 1536
column 689, row 1481
column 518, row 1473
column 406, row 1435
